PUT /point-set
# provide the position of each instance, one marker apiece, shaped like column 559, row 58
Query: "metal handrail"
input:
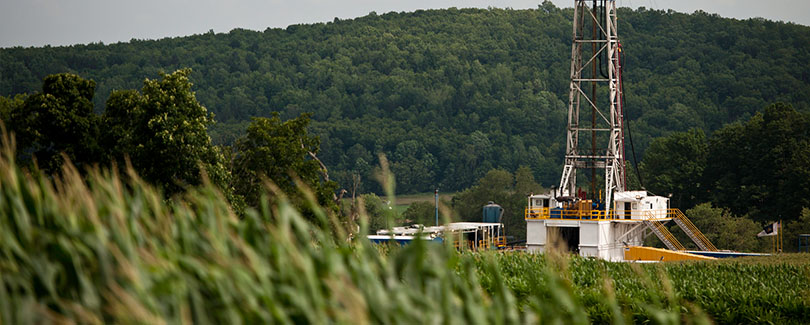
column 665, row 233
column 645, row 215
column 500, row 241
column 571, row 214
column 694, row 229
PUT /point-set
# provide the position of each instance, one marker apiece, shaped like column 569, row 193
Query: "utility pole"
column 436, row 196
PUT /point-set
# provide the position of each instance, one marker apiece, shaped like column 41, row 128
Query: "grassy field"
column 102, row 248
column 422, row 197
column 402, row 202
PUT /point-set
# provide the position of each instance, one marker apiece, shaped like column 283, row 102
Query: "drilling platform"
column 609, row 222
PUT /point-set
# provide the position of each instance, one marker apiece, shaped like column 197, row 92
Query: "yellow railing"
column 536, row 213
column 576, row 214
column 500, row 241
column 495, row 242
column 462, row 245
column 483, row 244
column 688, row 223
column 651, row 215
column 665, row 232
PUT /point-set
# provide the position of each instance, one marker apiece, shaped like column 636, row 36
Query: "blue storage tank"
column 492, row 213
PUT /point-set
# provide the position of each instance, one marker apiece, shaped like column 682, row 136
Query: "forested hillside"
column 450, row 94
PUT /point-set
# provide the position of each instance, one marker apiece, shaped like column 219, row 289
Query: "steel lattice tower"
column 595, row 48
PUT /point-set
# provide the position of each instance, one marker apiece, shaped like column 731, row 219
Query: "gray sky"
column 67, row 22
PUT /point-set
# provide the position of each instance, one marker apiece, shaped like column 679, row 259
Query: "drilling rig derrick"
column 595, row 87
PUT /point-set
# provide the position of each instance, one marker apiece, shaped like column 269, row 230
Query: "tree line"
column 739, row 178
column 161, row 133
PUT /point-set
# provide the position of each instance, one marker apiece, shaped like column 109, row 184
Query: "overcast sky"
column 67, row 22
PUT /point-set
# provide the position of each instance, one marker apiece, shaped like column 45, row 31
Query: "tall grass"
column 107, row 248
column 104, row 250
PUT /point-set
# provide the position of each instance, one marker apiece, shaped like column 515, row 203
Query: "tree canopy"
column 503, row 188
column 475, row 88
column 674, row 165
column 163, row 131
column 759, row 168
column 762, row 167
column 57, row 120
column 283, row 153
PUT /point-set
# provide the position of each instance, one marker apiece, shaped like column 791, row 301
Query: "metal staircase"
column 692, row 231
column 664, row 235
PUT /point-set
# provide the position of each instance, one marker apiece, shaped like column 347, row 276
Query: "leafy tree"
column 524, row 182
column 59, row 119
column 414, row 167
column 793, row 228
column 525, row 185
column 504, row 189
column 723, row 229
column 281, row 152
column 497, row 185
column 421, row 212
column 10, row 104
column 762, row 167
column 727, row 169
column 674, row 165
column 163, row 131
column 633, row 181
column 380, row 214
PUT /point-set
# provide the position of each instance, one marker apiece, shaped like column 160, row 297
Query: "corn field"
column 748, row 290
column 105, row 247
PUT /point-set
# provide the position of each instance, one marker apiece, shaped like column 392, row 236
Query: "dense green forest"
column 450, row 94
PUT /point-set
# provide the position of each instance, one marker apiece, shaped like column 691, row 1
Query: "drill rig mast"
column 596, row 88
column 612, row 226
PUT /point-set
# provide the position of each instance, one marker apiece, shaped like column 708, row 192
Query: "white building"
column 587, row 229
column 465, row 235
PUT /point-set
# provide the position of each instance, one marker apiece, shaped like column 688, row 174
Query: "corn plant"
column 106, row 247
